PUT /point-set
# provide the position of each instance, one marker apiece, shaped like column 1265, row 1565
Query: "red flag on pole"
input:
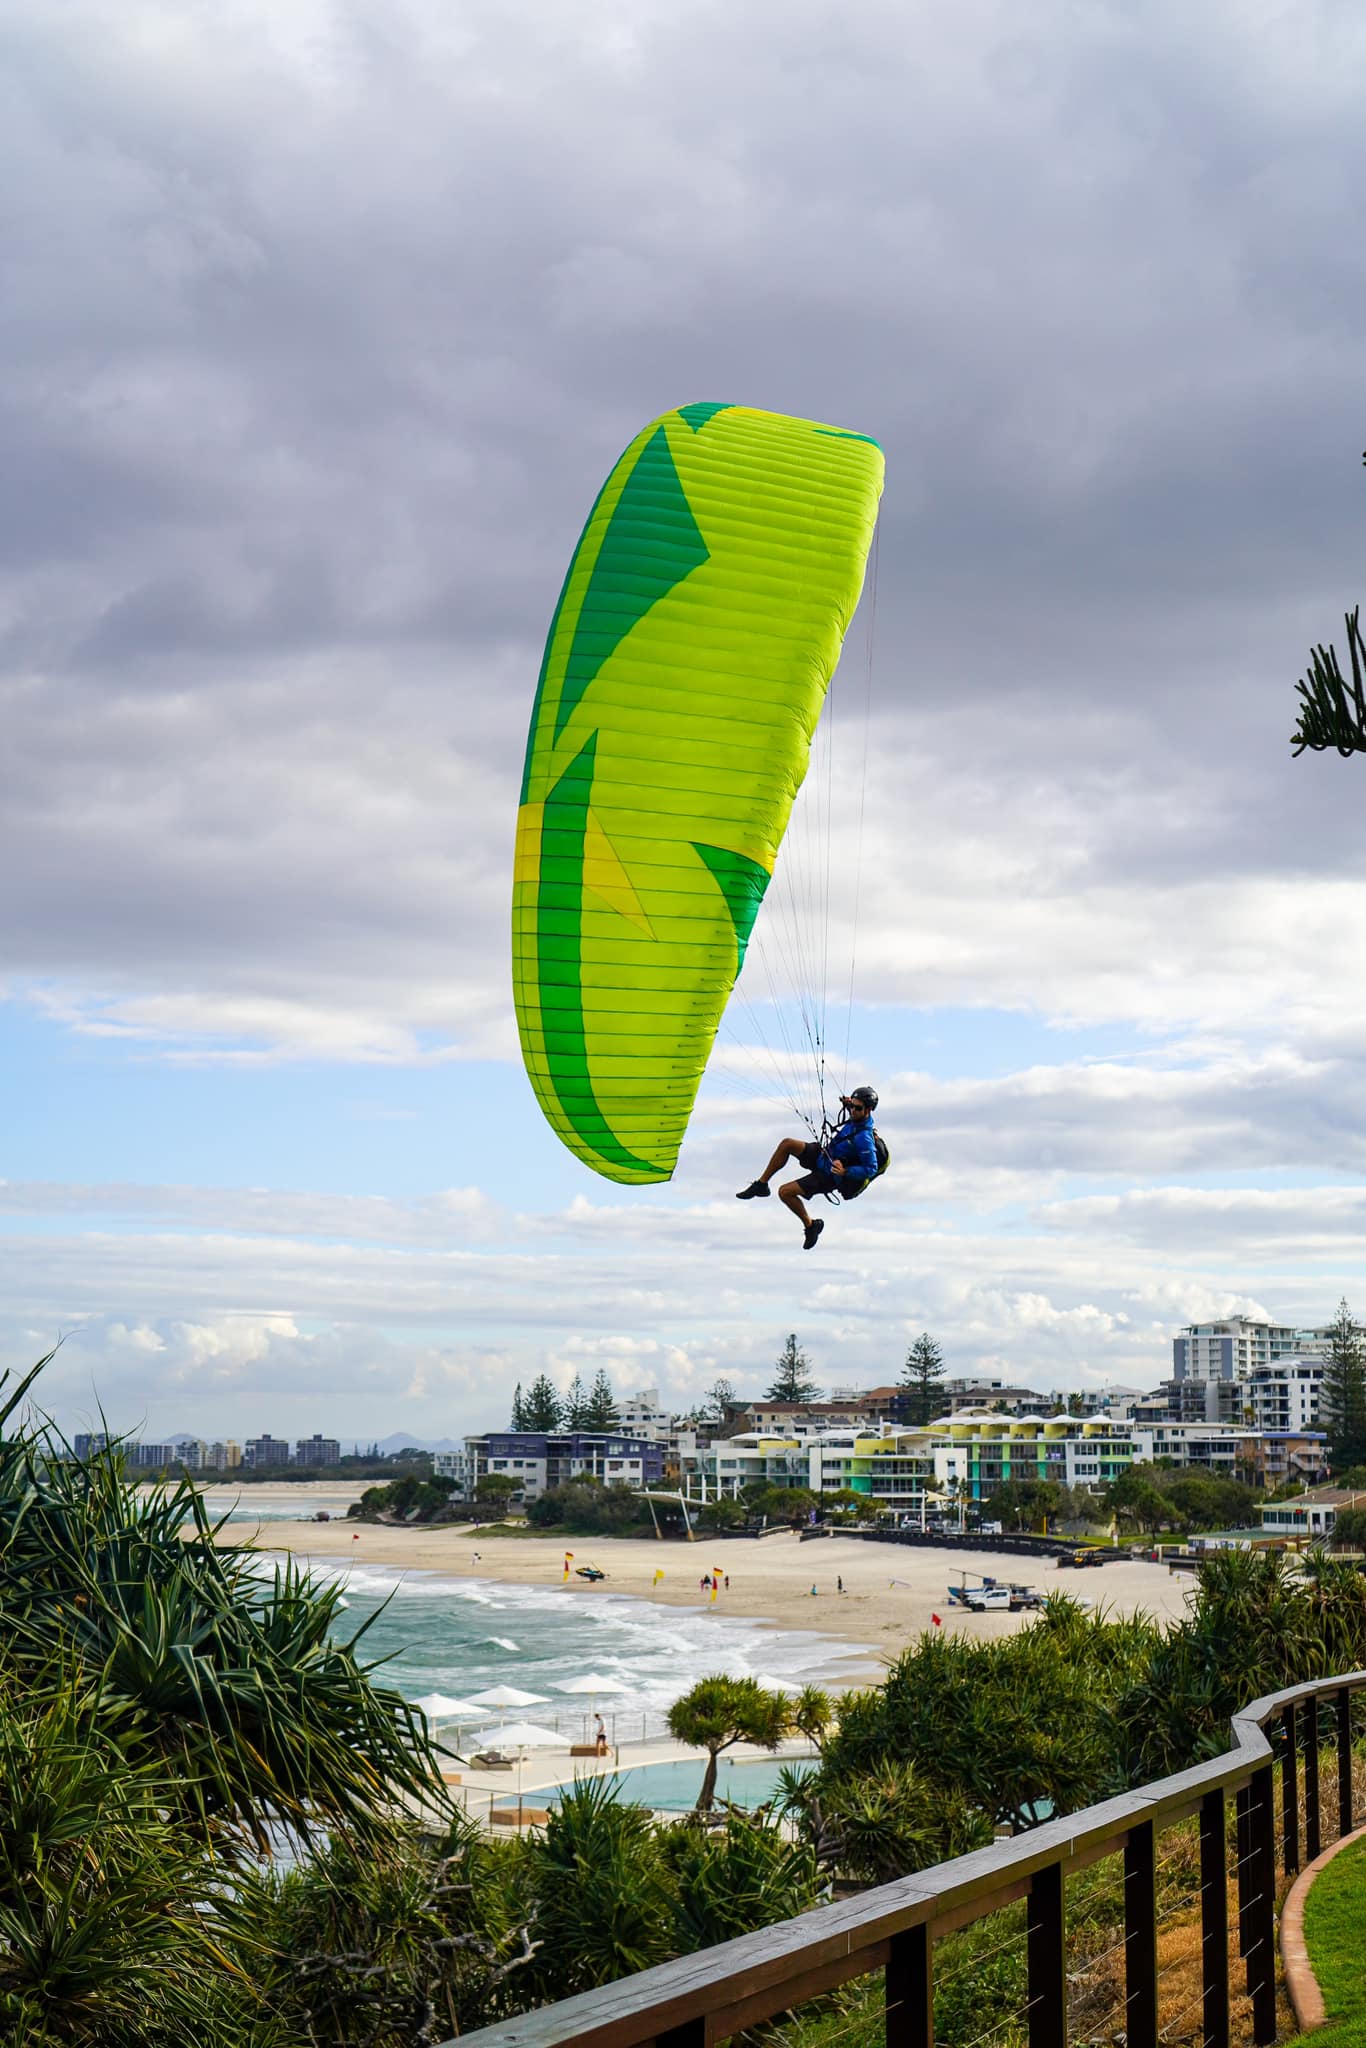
column 937, row 1622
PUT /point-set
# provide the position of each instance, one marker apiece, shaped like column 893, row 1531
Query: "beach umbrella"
column 774, row 1684
column 518, row 1735
column 503, row 1696
column 439, row 1706
column 506, row 1696
column 591, row 1682
column 593, row 1685
column 521, row 1736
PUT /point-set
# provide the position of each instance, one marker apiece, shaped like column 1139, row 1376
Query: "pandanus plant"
column 231, row 1681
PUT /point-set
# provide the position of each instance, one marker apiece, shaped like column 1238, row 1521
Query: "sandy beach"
column 890, row 1591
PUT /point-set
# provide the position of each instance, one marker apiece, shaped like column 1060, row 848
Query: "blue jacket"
column 853, row 1143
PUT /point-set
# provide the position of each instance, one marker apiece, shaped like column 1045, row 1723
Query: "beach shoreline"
column 890, row 1594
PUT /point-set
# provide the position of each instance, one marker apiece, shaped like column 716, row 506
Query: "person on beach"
column 600, row 1736
column 843, row 1163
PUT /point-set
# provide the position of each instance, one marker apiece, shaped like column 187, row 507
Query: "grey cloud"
column 323, row 328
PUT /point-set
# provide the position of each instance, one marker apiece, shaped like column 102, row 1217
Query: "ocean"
column 459, row 1636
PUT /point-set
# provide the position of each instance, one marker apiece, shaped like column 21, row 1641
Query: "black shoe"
column 813, row 1231
column 756, row 1187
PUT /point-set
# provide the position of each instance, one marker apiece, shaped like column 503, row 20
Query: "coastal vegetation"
column 792, row 1376
column 1343, row 1396
column 921, row 1374
column 409, row 1499
column 543, row 1408
column 168, row 1710
column 718, row 1713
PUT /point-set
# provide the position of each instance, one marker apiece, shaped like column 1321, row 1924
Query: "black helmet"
column 867, row 1096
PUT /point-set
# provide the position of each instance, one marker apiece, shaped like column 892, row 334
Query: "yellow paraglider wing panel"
column 690, row 652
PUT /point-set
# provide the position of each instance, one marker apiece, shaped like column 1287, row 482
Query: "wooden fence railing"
column 708, row 1997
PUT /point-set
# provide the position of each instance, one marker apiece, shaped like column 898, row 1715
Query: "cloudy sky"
column 322, row 323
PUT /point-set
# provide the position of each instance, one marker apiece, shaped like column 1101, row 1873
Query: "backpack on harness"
column 884, row 1160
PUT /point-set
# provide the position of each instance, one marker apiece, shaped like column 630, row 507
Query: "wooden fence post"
column 1047, row 1950
column 1214, row 1919
column 909, row 1990
column 1261, row 1955
column 1140, row 1936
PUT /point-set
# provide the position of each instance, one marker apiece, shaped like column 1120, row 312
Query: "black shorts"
column 816, row 1180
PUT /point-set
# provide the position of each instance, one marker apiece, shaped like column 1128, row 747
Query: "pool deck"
column 544, row 1769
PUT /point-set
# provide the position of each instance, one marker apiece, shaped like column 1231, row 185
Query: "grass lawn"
column 1335, row 1935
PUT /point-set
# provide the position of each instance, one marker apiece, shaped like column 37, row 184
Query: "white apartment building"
column 1286, row 1395
column 1234, row 1348
column 539, row 1460
column 754, row 1458
column 454, row 1465
column 1218, row 1449
column 640, row 1414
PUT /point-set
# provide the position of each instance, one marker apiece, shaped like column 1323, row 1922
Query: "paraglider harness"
column 884, row 1160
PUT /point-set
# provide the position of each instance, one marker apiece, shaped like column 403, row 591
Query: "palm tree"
column 718, row 1713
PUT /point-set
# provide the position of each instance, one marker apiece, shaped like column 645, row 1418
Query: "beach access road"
column 890, row 1593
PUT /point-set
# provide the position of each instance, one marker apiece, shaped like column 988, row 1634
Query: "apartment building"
column 1278, row 1457
column 1234, row 1348
column 968, row 1456
column 1219, row 1449
column 1192, row 1401
column 317, row 1450
column 967, row 1396
column 807, row 1418
column 262, row 1452
column 1286, row 1395
column 977, row 1454
column 539, row 1460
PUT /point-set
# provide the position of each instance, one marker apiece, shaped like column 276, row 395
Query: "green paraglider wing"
column 695, row 637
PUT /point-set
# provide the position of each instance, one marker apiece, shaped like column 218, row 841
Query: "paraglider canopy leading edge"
column 688, row 658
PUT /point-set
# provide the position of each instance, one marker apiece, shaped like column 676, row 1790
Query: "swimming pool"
column 673, row 1788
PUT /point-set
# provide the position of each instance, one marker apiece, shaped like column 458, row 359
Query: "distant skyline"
column 323, row 332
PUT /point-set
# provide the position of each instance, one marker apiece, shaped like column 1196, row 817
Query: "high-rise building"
column 264, row 1451
column 1235, row 1347
column 150, row 1457
column 317, row 1450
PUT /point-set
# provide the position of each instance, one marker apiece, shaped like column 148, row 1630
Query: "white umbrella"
column 521, row 1736
column 506, row 1696
column 776, row 1684
column 439, row 1706
column 518, row 1735
column 592, row 1684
